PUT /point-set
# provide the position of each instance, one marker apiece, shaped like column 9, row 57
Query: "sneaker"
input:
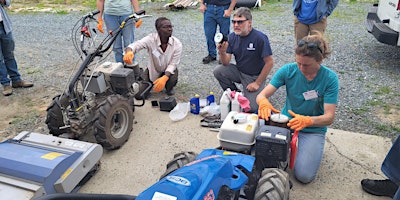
column 208, row 59
column 22, row 84
column 7, row 90
column 379, row 187
column 170, row 92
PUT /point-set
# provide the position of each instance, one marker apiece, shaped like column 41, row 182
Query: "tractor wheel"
column 180, row 159
column 114, row 119
column 54, row 118
column 273, row 185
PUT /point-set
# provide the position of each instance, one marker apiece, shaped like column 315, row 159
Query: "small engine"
column 110, row 75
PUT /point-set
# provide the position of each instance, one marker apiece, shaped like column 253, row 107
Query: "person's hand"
column 202, row 8
column 100, row 25
column 265, row 108
column 222, row 47
column 299, row 122
column 159, row 84
column 252, row 87
column 128, row 57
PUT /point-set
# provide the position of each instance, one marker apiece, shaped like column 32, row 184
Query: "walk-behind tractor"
column 99, row 98
column 251, row 163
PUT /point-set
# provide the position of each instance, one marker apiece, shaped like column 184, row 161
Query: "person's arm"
column 327, row 118
column 223, row 56
column 100, row 7
column 227, row 13
column 331, row 6
column 269, row 63
column 267, row 92
column 135, row 4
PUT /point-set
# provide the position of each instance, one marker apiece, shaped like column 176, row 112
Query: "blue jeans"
column 8, row 65
column 213, row 16
column 124, row 39
column 309, row 156
column 390, row 166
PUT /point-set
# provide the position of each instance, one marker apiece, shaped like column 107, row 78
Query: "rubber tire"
column 55, row 118
column 273, row 185
column 179, row 160
column 111, row 132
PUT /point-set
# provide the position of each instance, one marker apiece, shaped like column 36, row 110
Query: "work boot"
column 22, row 84
column 379, row 187
column 7, row 91
column 170, row 92
column 208, row 59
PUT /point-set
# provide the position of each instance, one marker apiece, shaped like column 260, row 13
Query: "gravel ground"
column 368, row 71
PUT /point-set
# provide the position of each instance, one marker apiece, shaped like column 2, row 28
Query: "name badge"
column 312, row 94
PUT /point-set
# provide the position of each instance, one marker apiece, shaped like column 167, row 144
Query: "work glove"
column 265, row 108
column 299, row 122
column 138, row 23
column 159, row 84
column 128, row 57
column 100, row 25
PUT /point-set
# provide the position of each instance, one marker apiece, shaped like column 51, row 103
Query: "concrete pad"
column 348, row 158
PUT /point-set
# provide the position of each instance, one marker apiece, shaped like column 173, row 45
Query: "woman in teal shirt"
column 311, row 98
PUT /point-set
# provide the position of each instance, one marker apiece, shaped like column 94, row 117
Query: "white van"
column 383, row 21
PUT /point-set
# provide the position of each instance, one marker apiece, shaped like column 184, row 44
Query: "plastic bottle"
column 225, row 105
column 235, row 103
column 195, row 104
column 210, row 98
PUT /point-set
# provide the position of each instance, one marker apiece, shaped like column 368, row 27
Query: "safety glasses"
column 239, row 22
column 310, row 45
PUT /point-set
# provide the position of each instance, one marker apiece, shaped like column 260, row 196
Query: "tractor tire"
column 55, row 118
column 273, row 185
column 180, row 159
column 114, row 119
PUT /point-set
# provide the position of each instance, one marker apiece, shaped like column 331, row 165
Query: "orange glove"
column 299, row 122
column 100, row 25
column 128, row 57
column 265, row 108
column 138, row 23
column 159, row 84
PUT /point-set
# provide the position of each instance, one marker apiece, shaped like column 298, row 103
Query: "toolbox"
column 272, row 143
column 167, row 103
column 237, row 132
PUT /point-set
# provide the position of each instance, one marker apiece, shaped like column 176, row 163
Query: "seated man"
column 164, row 56
column 253, row 57
column 390, row 167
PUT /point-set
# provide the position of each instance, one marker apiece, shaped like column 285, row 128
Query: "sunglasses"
column 310, row 45
column 239, row 22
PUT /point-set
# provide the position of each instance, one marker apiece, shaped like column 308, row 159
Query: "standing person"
column 164, row 56
column 311, row 15
column 114, row 13
column 390, row 167
column 8, row 64
column 311, row 98
column 215, row 12
column 253, row 57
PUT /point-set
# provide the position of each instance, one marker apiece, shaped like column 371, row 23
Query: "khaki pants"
column 301, row 30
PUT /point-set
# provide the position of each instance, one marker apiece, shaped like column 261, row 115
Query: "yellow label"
column 66, row 173
column 254, row 117
column 249, row 127
column 52, row 155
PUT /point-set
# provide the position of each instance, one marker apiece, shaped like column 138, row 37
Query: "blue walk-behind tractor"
column 249, row 164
